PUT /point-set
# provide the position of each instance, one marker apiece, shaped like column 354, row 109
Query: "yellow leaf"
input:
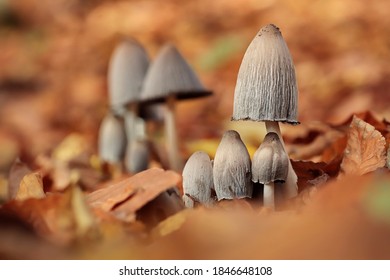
column 31, row 186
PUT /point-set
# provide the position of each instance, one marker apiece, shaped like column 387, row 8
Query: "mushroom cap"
column 198, row 178
column 170, row 75
column 127, row 69
column 232, row 168
column 112, row 139
column 137, row 156
column 266, row 88
column 270, row 161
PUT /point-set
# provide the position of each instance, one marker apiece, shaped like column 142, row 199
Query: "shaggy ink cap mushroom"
column 170, row 78
column 266, row 88
column 198, row 180
column 127, row 69
column 232, row 168
column 270, row 161
column 270, row 164
column 171, row 75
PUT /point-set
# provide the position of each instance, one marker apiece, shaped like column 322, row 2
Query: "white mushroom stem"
column 291, row 187
column 171, row 135
column 269, row 195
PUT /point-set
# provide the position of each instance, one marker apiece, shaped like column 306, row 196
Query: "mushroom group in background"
column 232, row 168
column 266, row 89
column 198, row 186
column 170, row 78
column 127, row 68
column 270, row 166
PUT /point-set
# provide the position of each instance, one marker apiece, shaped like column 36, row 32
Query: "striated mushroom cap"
column 112, row 139
column 266, row 88
column 169, row 75
column 232, row 168
column 270, row 161
column 127, row 69
column 198, row 180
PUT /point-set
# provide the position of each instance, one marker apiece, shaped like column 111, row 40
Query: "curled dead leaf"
column 126, row 197
column 365, row 151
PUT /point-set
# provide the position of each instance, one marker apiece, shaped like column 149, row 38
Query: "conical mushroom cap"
column 198, row 178
column 232, row 168
column 112, row 139
column 270, row 161
column 266, row 88
column 169, row 75
column 127, row 69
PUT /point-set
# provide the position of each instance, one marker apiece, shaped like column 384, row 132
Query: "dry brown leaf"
column 16, row 174
column 128, row 196
column 31, row 186
column 59, row 217
column 365, row 151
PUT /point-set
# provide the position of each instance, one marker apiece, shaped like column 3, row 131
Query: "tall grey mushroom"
column 127, row 69
column 266, row 88
column 198, row 183
column 270, row 165
column 170, row 78
column 232, row 168
column 112, row 139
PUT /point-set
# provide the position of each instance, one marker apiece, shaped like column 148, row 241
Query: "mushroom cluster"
column 134, row 90
column 266, row 91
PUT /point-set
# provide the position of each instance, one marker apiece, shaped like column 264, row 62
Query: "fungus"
column 266, row 88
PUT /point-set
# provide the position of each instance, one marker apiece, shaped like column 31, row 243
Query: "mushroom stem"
column 291, row 187
column 269, row 195
column 171, row 135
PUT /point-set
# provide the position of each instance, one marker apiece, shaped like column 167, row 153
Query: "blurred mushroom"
column 269, row 165
column 198, row 180
column 170, row 78
column 137, row 151
column 232, row 168
column 126, row 73
column 266, row 88
column 112, row 139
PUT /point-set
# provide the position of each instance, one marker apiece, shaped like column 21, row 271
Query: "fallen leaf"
column 58, row 217
column 365, row 151
column 16, row 174
column 31, row 186
column 126, row 197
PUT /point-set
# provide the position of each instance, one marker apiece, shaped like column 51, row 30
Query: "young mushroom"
column 112, row 139
column 232, row 168
column 266, row 88
column 170, row 78
column 198, row 180
column 270, row 165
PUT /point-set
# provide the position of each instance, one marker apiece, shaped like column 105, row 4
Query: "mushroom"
column 127, row 69
column 266, row 88
column 170, row 78
column 198, row 180
column 270, row 165
column 232, row 168
column 112, row 139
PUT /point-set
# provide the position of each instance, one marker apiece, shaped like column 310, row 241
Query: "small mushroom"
column 232, row 168
column 170, row 78
column 270, row 165
column 112, row 139
column 198, row 180
column 127, row 69
column 266, row 88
